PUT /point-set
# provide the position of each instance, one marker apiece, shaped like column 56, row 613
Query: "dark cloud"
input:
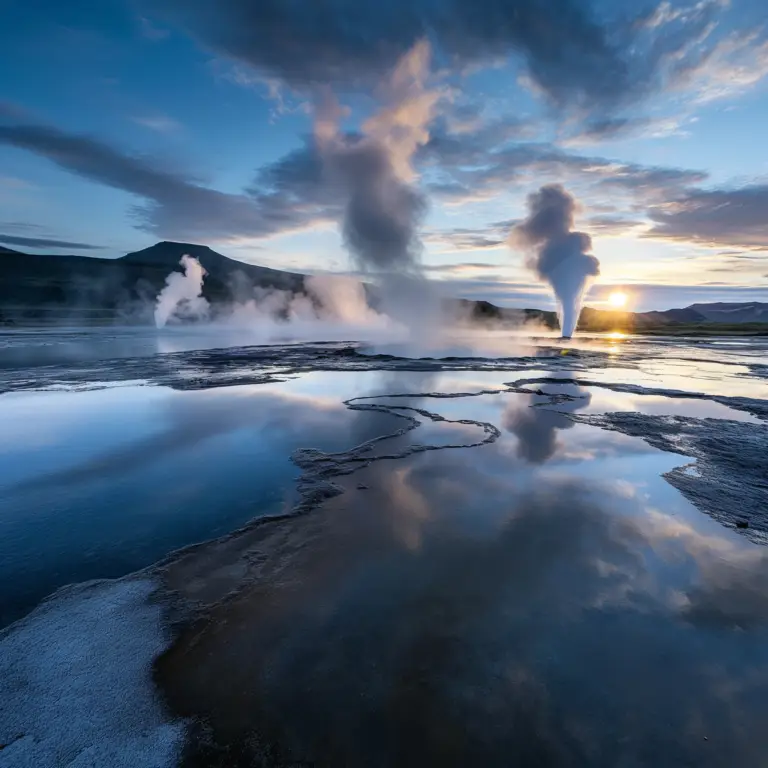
column 572, row 52
column 44, row 242
column 735, row 217
column 464, row 266
column 491, row 236
column 612, row 225
column 470, row 169
column 608, row 128
column 452, row 142
column 284, row 197
column 568, row 52
column 497, row 290
column 462, row 239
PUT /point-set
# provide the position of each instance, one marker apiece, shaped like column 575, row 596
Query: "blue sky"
column 124, row 122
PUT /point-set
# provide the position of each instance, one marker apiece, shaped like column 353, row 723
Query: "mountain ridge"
column 38, row 288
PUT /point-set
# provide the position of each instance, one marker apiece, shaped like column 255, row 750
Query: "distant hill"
column 167, row 255
column 80, row 290
column 747, row 312
column 84, row 290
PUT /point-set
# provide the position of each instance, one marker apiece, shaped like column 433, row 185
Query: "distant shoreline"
column 702, row 330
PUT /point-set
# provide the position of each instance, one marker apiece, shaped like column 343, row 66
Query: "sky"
column 125, row 122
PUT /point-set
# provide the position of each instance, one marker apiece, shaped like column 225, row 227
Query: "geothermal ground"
column 499, row 551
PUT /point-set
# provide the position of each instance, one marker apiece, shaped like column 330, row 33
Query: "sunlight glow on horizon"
column 618, row 299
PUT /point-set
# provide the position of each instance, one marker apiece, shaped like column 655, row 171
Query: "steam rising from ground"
column 371, row 172
column 330, row 306
column 336, row 308
column 383, row 208
column 183, row 294
column 558, row 255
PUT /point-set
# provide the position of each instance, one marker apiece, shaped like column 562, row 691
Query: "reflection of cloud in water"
column 188, row 419
column 388, row 383
column 731, row 586
column 536, row 426
column 447, row 616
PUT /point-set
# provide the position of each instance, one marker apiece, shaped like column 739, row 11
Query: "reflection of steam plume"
column 560, row 256
column 536, row 428
column 182, row 293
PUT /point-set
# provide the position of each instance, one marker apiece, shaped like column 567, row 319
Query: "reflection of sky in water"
column 96, row 484
column 99, row 483
column 491, row 609
column 545, row 600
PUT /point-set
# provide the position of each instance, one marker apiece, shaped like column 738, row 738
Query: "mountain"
column 220, row 268
column 84, row 290
column 747, row 312
column 80, row 290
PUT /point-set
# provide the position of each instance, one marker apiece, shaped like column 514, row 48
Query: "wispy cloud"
column 304, row 44
column 286, row 196
column 462, row 268
column 152, row 31
column 45, row 242
column 717, row 217
column 158, row 123
column 13, row 182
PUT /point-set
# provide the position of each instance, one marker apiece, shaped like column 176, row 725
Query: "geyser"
column 558, row 255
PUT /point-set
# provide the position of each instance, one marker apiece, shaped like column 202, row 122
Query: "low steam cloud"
column 559, row 255
column 330, row 306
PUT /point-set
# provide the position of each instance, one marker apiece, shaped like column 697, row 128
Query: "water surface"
column 465, row 560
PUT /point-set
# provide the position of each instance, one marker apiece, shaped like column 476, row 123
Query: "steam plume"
column 559, row 255
column 182, row 293
column 383, row 207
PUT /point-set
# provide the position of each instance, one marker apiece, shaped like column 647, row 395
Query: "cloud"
column 608, row 128
column 12, row 182
column 158, row 123
column 731, row 67
column 724, row 217
column 295, row 193
column 44, row 242
column 462, row 239
column 177, row 206
column 469, row 170
column 461, row 268
column 150, row 31
column 500, row 291
column 567, row 50
column 613, row 226
column 573, row 53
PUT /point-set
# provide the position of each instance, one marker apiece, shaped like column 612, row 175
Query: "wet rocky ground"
column 549, row 558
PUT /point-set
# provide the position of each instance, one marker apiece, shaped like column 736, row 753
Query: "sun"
column 618, row 299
